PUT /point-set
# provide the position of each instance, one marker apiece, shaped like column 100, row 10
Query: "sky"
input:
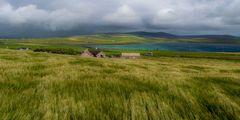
column 66, row 17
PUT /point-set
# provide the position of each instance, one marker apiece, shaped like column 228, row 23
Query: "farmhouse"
column 130, row 55
column 93, row 53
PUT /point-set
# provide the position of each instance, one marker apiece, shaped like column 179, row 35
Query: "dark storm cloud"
column 181, row 16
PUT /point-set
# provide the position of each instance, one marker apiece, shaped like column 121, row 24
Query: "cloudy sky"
column 93, row 16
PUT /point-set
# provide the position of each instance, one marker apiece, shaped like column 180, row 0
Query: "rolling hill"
column 115, row 38
column 178, row 38
column 153, row 34
column 168, row 35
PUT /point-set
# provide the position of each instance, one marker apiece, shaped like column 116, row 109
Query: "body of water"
column 196, row 47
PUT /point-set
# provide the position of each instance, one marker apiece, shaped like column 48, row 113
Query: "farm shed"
column 130, row 55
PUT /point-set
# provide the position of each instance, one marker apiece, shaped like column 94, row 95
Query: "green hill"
column 128, row 38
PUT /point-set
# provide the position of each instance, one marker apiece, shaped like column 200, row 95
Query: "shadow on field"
column 209, row 100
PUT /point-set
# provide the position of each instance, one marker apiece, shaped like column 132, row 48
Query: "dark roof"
column 21, row 48
column 94, row 52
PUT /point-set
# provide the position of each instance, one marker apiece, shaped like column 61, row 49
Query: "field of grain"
column 50, row 86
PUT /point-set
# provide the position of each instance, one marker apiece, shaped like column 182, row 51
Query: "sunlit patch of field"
column 108, row 39
column 50, row 86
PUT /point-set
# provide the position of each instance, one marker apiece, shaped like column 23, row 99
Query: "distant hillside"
column 189, row 38
column 129, row 38
column 168, row 35
column 42, row 34
column 153, row 34
column 216, row 37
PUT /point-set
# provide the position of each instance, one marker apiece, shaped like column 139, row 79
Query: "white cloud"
column 20, row 15
column 123, row 16
column 151, row 14
column 49, row 19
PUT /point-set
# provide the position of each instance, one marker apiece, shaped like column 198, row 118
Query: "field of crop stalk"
column 50, row 86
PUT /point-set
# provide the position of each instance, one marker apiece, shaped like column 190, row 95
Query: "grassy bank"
column 51, row 86
column 75, row 41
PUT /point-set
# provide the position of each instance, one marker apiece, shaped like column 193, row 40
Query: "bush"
column 58, row 51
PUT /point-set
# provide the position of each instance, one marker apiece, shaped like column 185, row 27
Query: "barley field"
column 42, row 86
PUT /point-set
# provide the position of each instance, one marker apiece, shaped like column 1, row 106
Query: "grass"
column 51, row 86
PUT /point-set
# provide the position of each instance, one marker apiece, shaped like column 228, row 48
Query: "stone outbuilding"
column 130, row 55
column 148, row 54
